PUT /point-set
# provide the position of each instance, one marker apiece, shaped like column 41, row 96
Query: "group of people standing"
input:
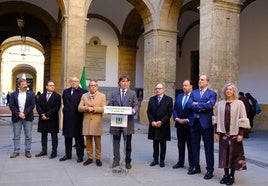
column 83, row 112
column 82, row 117
column 194, row 119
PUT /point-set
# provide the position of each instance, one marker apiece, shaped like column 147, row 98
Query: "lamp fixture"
column 21, row 23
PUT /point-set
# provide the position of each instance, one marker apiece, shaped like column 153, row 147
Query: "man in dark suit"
column 22, row 103
column 48, row 106
column 203, row 101
column 73, row 120
column 126, row 98
column 159, row 112
column 180, row 115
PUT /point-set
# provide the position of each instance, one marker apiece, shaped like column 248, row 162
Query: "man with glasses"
column 159, row 111
column 92, row 105
column 48, row 106
column 72, row 120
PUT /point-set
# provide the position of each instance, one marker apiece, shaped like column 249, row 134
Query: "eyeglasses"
column 51, row 85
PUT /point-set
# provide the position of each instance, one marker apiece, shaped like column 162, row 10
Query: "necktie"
column 159, row 99
column 185, row 100
column 123, row 96
column 201, row 93
column 48, row 95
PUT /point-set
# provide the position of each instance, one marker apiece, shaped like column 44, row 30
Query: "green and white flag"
column 83, row 83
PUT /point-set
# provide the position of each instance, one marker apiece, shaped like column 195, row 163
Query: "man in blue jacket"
column 180, row 115
column 203, row 101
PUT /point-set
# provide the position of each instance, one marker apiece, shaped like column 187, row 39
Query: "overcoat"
column 92, row 122
column 51, row 110
column 160, row 112
column 72, row 118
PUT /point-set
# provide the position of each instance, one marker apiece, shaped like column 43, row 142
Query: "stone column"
column 73, row 38
column 219, row 41
column 159, row 65
column 55, row 63
column 127, row 63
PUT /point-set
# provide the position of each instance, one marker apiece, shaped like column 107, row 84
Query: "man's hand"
column 22, row 115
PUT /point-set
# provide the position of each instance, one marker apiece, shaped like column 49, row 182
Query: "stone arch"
column 23, row 68
column 36, row 45
column 106, row 20
column 169, row 13
column 132, row 29
column 63, row 5
column 31, row 10
column 145, row 11
column 246, row 3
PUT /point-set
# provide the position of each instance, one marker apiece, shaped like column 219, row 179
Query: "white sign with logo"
column 119, row 120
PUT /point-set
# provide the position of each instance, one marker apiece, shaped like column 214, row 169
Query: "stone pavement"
column 45, row 171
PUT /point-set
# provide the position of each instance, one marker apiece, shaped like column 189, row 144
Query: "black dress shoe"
column 98, row 163
column 230, row 181
column 128, row 166
column 66, row 157
column 194, row 171
column 41, row 154
column 153, row 163
column 224, row 179
column 79, row 159
column 162, row 164
column 208, row 175
column 115, row 164
column 178, row 165
column 52, row 156
column 88, row 161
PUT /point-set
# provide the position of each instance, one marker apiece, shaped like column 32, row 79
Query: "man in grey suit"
column 126, row 98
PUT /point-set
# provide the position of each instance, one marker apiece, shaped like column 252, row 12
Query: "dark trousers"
column 208, row 137
column 79, row 145
column 251, row 116
column 162, row 145
column 54, row 142
column 116, row 147
column 184, row 137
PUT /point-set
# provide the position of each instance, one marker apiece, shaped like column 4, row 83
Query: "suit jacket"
column 72, row 118
column 131, row 100
column 92, row 122
column 160, row 112
column 51, row 110
column 28, row 109
column 179, row 112
column 204, row 109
